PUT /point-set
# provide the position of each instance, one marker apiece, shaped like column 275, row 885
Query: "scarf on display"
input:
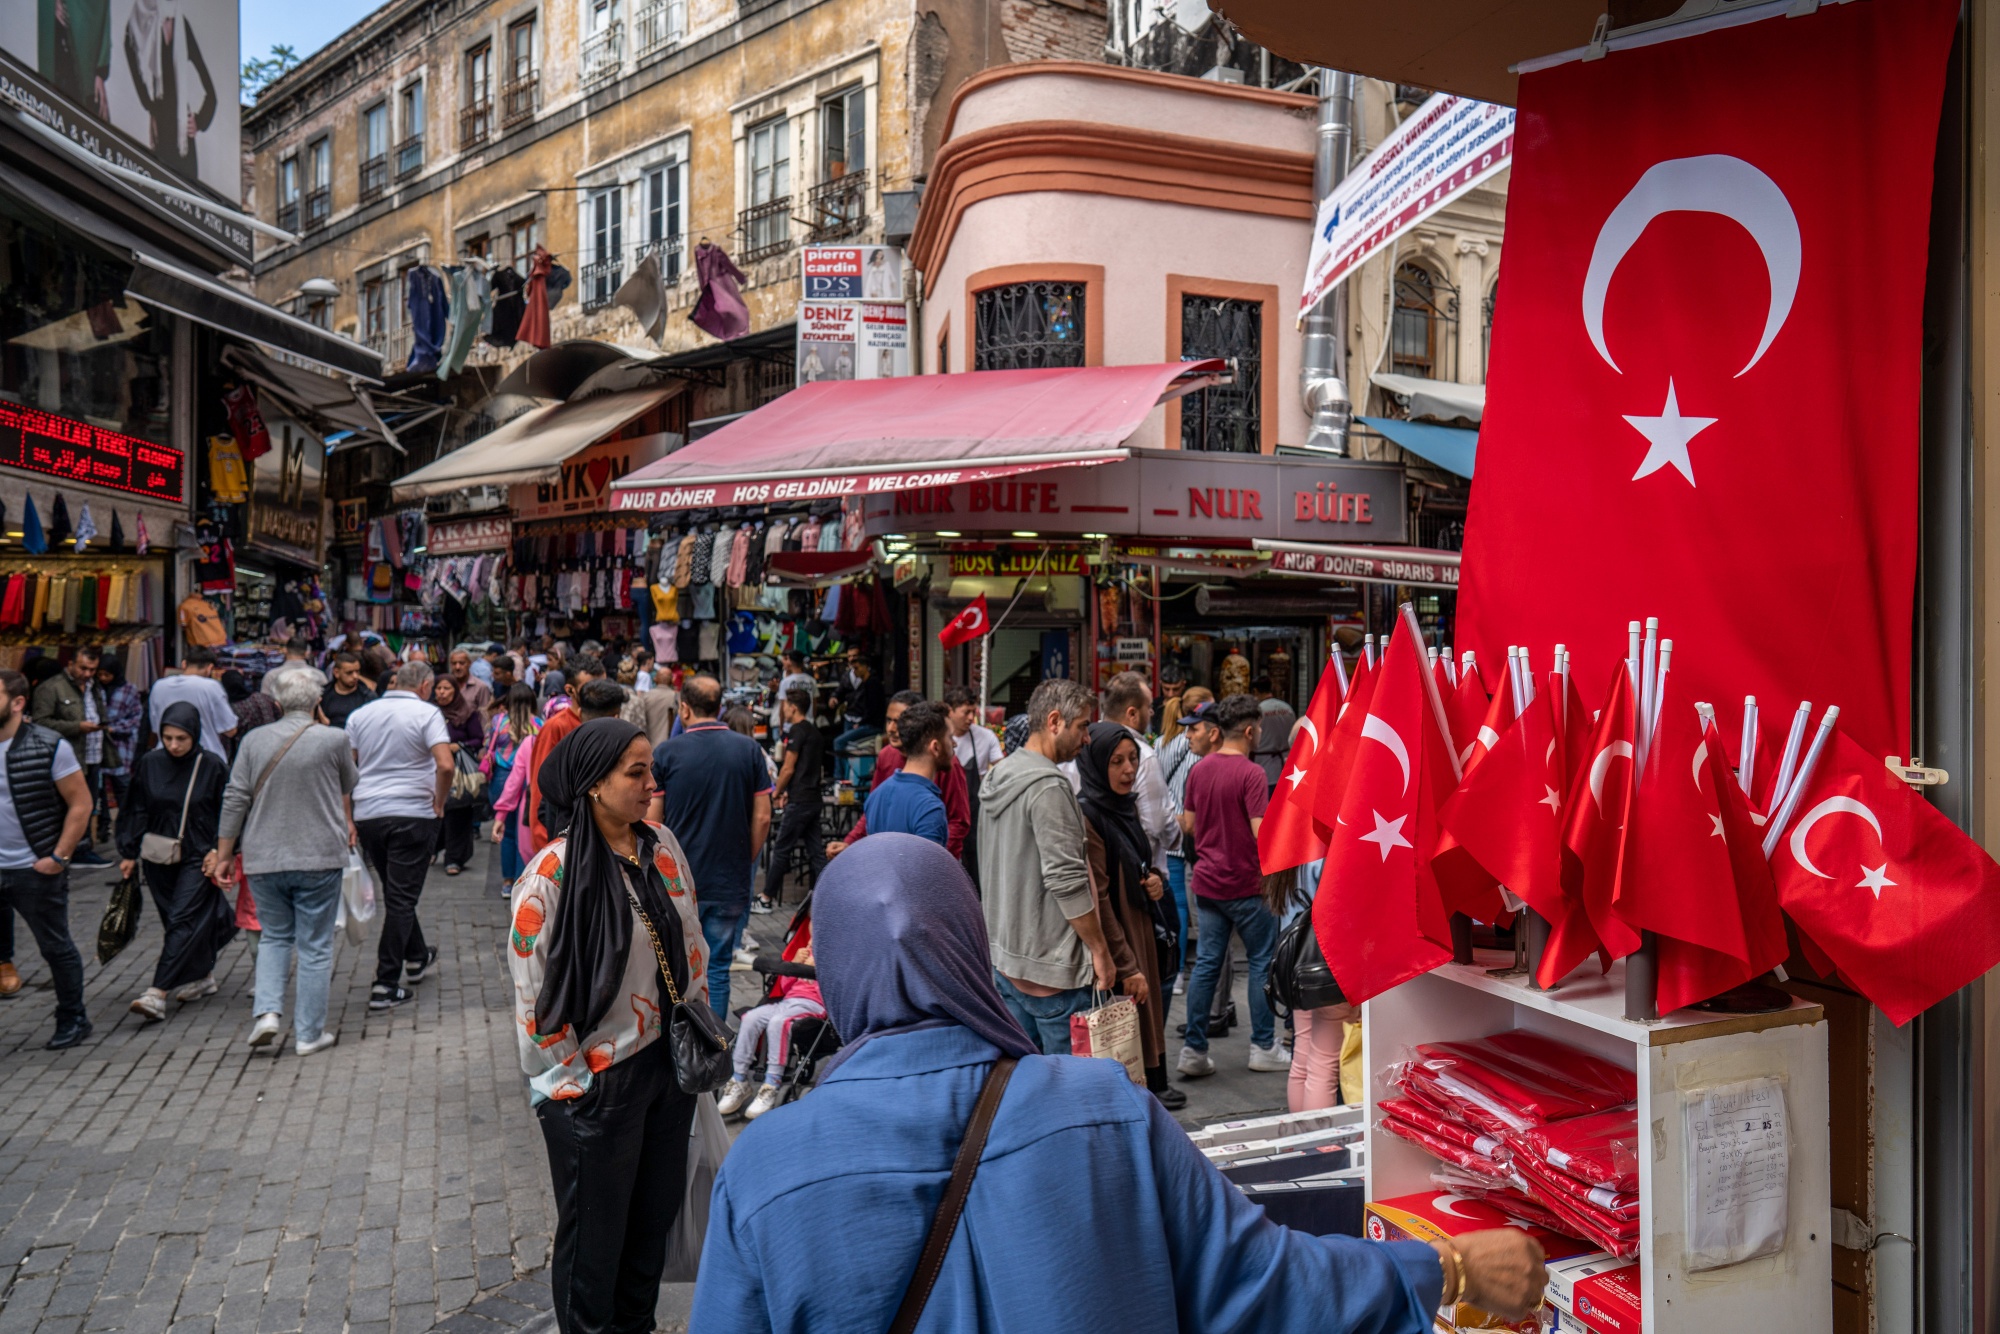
column 1114, row 815
column 86, row 528
column 590, row 937
column 33, row 540
column 900, row 945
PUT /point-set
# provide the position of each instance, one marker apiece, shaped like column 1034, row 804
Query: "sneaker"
column 68, row 1035
column 1274, row 1059
column 320, row 1043
column 767, row 1098
column 1194, row 1063
column 414, row 973
column 761, row 905
column 265, row 1031
column 150, row 1007
column 388, row 998
column 195, row 991
column 90, row 857
column 734, row 1094
column 1171, row 1098
column 742, row 962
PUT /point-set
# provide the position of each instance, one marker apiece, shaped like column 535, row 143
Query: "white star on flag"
column 1295, row 777
column 1718, row 829
column 1667, row 437
column 1875, row 878
column 1388, row 834
column 1552, row 801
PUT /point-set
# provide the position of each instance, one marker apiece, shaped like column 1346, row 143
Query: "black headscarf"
column 1115, row 817
column 590, row 937
column 188, row 718
column 114, row 667
column 235, row 685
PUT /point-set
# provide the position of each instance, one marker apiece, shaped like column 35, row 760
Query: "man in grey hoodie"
column 1048, row 949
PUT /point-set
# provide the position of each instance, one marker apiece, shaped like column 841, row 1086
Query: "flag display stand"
column 1677, row 1059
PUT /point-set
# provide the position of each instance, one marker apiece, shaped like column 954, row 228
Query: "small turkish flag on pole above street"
column 967, row 626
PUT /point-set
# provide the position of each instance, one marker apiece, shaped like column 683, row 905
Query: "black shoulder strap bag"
column 945, row 1223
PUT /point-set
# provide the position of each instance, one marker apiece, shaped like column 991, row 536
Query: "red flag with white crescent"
column 1507, row 814
column 1594, row 815
column 1691, row 276
column 1287, row 837
column 967, row 626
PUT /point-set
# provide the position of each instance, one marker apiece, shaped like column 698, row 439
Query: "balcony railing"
column 766, row 229
column 839, row 207
column 519, row 100
column 374, row 177
column 319, row 206
column 659, row 26
column 603, row 54
column 409, row 155
column 288, row 216
column 475, row 124
column 668, row 251
column 600, row 280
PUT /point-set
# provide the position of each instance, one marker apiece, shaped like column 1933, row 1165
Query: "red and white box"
column 1436, row 1215
column 1597, row 1292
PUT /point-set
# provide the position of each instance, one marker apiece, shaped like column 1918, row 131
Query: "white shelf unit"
column 1787, row 1293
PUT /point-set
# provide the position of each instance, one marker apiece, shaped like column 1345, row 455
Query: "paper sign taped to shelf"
column 1738, row 1162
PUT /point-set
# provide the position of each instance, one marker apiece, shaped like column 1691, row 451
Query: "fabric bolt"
column 296, row 914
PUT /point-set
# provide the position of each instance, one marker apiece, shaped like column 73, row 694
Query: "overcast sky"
column 303, row 25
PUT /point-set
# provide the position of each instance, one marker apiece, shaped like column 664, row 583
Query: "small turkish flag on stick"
column 1287, row 837
column 967, row 626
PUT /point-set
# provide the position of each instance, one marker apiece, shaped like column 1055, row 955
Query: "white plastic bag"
column 357, row 898
column 707, row 1144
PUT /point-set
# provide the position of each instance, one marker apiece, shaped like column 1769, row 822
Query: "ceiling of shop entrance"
column 1455, row 46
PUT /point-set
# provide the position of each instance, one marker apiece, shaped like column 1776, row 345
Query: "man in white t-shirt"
column 404, row 754
column 195, row 685
column 44, row 813
column 796, row 677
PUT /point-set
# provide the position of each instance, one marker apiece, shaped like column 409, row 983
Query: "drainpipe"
column 1323, row 359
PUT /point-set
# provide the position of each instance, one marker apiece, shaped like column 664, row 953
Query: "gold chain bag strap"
column 699, row 1042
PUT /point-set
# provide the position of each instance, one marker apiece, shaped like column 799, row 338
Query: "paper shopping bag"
column 1110, row 1031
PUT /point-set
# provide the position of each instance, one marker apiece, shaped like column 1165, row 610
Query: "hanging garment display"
column 33, row 540
column 228, row 479
column 86, row 528
column 59, row 528
column 424, row 295
column 246, row 422
column 720, row 311
column 509, row 305
column 534, row 328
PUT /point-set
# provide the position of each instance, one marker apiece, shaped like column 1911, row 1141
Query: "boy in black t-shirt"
column 798, row 797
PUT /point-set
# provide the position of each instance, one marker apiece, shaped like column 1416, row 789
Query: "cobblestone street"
column 162, row 1178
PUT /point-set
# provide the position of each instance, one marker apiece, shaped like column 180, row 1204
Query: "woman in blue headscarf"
column 1091, row 1209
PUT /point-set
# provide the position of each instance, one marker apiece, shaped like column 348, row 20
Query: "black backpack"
column 1299, row 978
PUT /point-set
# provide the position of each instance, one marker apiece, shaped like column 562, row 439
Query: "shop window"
column 76, row 345
column 374, row 151
column 1423, row 333
column 604, row 223
column 767, row 223
column 410, row 110
column 1028, row 325
column 661, row 193
column 1229, row 418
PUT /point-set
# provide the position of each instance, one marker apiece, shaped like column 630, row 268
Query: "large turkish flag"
column 1702, row 402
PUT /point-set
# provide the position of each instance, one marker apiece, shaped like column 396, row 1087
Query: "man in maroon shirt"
column 1225, row 799
column 957, row 801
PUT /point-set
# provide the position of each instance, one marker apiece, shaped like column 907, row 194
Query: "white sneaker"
column 320, row 1043
column 265, row 1031
column 195, row 991
column 150, row 1007
column 766, row 1099
column 1274, row 1059
column 732, row 1097
column 1194, row 1064
column 742, row 961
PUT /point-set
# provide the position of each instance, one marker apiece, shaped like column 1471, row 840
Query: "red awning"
column 865, row 437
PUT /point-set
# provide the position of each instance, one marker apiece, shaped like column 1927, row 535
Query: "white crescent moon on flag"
column 1831, row 806
column 1700, row 758
column 1599, row 765
column 1711, row 183
column 1488, row 737
column 1444, row 1205
column 1374, row 729
column 1306, row 722
column 975, row 617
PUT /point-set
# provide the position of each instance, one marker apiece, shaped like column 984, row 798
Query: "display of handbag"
column 121, row 918
column 699, row 1041
column 1110, row 1031
column 468, row 785
column 1298, row 978
column 158, row 848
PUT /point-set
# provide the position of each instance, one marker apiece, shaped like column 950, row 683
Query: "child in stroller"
column 767, row 1028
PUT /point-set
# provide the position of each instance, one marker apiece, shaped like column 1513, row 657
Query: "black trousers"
column 43, row 903
column 618, row 1160
column 398, row 848
column 455, row 838
column 197, row 919
column 798, row 827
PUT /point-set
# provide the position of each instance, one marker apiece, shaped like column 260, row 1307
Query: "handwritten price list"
column 76, row 451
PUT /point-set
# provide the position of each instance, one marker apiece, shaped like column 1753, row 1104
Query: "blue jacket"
column 1092, row 1212
column 908, row 803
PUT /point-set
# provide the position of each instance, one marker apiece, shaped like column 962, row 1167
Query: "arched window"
column 1423, row 332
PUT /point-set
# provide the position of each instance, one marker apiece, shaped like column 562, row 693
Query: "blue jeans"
column 296, row 910
column 1177, row 882
column 854, row 768
column 1259, row 929
column 1045, row 1019
column 511, row 861
column 722, row 928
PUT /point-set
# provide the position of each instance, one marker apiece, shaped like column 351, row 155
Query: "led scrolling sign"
column 75, row 451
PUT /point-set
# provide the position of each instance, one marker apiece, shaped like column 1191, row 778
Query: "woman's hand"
column 498, row 826
column 1135, row 987
column 1154, row 885
column 127, row 866
column 1504, row 1273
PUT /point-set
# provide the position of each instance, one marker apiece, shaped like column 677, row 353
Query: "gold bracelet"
column 1458, row 1268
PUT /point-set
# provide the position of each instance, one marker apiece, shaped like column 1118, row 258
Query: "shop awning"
column 1449, row 447
column 1445, row 399
column 342, row 407
column 206, row 300
column 559, row 371
column 1363, row 565
column 531, row 447
column 864, row 437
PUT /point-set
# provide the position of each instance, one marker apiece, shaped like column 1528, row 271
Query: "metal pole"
column 985, row 642
column 1536, row 928
column 1642, row 980
column 1323, row 351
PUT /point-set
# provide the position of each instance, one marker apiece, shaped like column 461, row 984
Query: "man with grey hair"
column 1041, row 917
column 290, row 803
column 404, row 752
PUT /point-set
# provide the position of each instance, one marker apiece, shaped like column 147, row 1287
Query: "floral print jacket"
column 560, row 1066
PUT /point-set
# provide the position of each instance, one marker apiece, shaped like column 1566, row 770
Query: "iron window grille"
column 1225, row 418
column 319, row 207
column 519, row 100
column 658, row 26
column 374, row 177
column 839, row 207
column 409, row 155
column 668, row 251
column 766, row 229
column 1026, row 326
column 475, row 124
column 603, row 54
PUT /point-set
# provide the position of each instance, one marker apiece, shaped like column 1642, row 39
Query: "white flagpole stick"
column 1450, row 666
column 1514, row 676
column 1660, row 680
column 1788, row 764
column 1797, row 791
column 1527, row 677
column 1368, row 649
column 1632, row 653
column 1747, row 748
column 1561, row 706
column 1431, row 656
column 1466, row 664
column 1649, row 671
column 1409, row 615
column 1339, row 671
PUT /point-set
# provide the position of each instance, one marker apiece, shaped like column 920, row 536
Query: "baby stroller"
column 812, row 1039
